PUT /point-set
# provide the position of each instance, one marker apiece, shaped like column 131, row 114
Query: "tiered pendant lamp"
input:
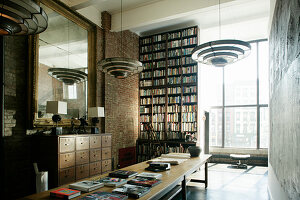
column 21, row 17
column 67, row 76
column 220, row 53
column 120, row 67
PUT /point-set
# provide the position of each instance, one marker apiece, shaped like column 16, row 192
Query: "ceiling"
column 146, row 17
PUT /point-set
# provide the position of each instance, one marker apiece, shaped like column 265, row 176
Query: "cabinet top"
column 76, row 135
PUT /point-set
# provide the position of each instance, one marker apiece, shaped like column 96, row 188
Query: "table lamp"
column 95, row 113
column 56, row 107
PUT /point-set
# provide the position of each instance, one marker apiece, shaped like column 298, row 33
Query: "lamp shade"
column 96, row 112
column 57, row 107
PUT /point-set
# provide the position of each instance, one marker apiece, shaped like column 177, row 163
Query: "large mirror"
column 68, row 44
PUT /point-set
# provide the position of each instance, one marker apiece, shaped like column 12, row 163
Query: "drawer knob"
column 81, row 143
column 66, row 160
column 66, row 144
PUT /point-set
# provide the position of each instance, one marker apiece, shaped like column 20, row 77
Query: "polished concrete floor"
column 226, row 183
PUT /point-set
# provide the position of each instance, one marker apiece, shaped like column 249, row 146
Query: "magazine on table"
column 150, row 175
column 144, row 181
column 104, row 196
column 122, row 174
column 86, row 186
column 134, row 191
column 112, row 181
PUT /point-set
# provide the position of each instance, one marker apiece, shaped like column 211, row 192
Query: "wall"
column 285, row 98
column 121, row 95
column 18, row 171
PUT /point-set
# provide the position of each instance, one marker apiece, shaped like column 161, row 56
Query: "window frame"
column 258, row 106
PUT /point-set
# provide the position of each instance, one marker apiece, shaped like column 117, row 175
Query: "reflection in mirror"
column 63, row 45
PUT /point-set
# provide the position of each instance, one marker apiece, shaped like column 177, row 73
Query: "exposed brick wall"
column 16, row 156
column 121, row 95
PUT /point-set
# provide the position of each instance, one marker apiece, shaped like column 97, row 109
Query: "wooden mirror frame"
column 33, row 63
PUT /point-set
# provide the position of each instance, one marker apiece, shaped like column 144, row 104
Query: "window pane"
column 240, row 127
column 264, row 127
column 211, row 86
column 263, row 49
column 215, row 127
column 241, row 80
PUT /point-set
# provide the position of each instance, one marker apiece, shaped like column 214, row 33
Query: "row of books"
column 189, row 41
column 174, row 62
column 159, row 55
column 175, row 136
column 159, row 64
column 174, row 53
column 174, row 90
column 189, row 79
column 175, row 43
column 146, row 57
column 158, row 109
column 145, row 118
column 189, row 70
column 144, row 135
column 174, row 99
column 174, row 35
column 159, row 91
column 174, row 108
column 174, row 80
column 174, row 117
column 159, row 127
column 173, row 126
column 145, row 83
column 189, row 126
column 158, row 118
column 190, row 89
column 146, row 41
column 145, row 101
column 158, row 38
column 158, row 73
column 145, row 92
column 187, row 60
column 158, row 46
column 189, row 31
column 144, row 109
column 174, row 71
column 159, row 100
column 147, row 65
column 157, row 82
column 146, row 49
column 145, row 74
column 180, row 149
column 189, row 108
column 189, row 117
column 187, row 51
column 189, row 99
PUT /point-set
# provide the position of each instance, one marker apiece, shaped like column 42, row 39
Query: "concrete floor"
column 226, row 183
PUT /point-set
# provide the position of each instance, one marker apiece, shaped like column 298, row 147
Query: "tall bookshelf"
column 168, row 90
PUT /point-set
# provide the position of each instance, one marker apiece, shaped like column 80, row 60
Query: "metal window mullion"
column 223, row 110
column 257, row 99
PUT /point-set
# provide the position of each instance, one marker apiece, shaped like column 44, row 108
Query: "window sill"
column 219, row 150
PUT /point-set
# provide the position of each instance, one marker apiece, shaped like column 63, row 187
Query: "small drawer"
column 66, row 144
column 95, row 155
column 82, row 157
column 106, row 165
column 66, row 160
column 82, row 143
column 106, row 141
column 106, row 153
column 95, row 141
column 95, row 168
column 66, row 175
column 82, row 171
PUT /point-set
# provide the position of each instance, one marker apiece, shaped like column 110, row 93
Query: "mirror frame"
column 33, row 63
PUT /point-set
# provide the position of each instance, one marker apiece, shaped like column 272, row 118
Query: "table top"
column 169, row 178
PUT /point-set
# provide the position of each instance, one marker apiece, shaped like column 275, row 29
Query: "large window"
column 237, row 97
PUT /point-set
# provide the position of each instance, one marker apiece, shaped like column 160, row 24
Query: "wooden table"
column 168, row 187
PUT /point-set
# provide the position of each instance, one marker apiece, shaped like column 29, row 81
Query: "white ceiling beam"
column 161, row 11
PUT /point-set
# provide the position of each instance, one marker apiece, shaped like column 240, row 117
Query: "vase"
column 194, row 151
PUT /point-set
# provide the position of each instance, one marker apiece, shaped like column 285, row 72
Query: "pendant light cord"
column 219, row 19
column 122, row 51
column 68, row 44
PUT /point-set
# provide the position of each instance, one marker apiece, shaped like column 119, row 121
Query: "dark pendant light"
column 220, row 53
column 120, row 67
column 22, row 17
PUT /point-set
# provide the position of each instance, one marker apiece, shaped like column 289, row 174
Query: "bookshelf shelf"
column 169, row 87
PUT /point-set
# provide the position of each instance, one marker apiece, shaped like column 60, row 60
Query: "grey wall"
column 285, row 96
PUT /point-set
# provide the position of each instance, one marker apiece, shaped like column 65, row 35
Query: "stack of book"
column 104, row 196
column 122, row 174
column 86, row 186
column 133, row 191
column 65, row 193
column 111, row 181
